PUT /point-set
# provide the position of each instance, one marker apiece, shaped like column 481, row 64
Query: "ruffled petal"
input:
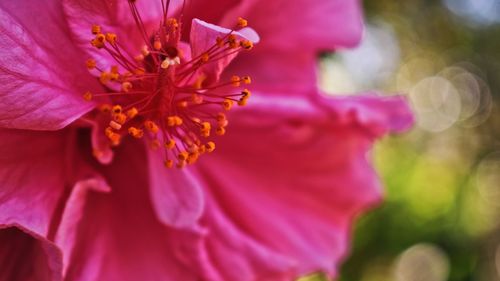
column 305, row 26
column 250, row 259
column 378, row 114
column 203, row 37
column 115, row 235
column 292, row 177
column 41, row 80
column 26, row 256
column 32, row 177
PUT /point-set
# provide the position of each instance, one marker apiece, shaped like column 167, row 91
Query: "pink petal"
column 291, row 38
column 250, row 259
column 42, row 74
column 116, row 235
column 32, row 177
column 208, row 12
column 293, row 177
column 27, row 256
column 376, row 113
column 175, row 194
column 73, row 212
column 277, row 70
column 113, row 16
column 203, row 37
column 304, row 26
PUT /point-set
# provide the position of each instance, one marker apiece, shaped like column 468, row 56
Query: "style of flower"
column 104, row 106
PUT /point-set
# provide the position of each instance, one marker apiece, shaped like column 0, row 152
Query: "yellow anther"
column 145, row 51
column 192, row 157
column 170, row 121
column 98, row 41
column 157, row 45
column 91, row 64
column 165, row 63
column 246, row 79
column 221, row 119
column 205, row 57
column 108, row 131
column 135, row 132
column 116, row 109
column 170, row 144
column 196, row 99
column 246, row 93
column 242, row 101
column 126, row 86
column 174, row 121
column 95, row 29
column 182, row 104
column 227, row 104
column 87, row 96
column 220, row 116
column 155, row 144
column 105, row 108
column 131, row 113
column 178, row 121
column 219, row 42
column 115, row 125
column 235, row 80
column 210, row 146
column 104, row 77
column 120, row 118
column 115, row 139
column 139, row 58
column 151, row 126
column 206, row 126
column 202, row 149
column 193, row 148
column 205, row 133
column 246, row 44
column 114, row 69
column 111, row 37
column 222, row 123
column 232, row 41
column 220, row 131
column 172, row 22
column 112, row 136
column 183, row 155
column 114, row 76
column 198, row 84
column 168, row 163
column 139, row 71
column 242, row 22
column 114, row 73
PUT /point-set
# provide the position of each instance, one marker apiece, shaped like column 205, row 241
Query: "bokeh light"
column 422, row 262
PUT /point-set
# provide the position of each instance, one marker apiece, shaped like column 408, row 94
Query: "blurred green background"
column 440, row 220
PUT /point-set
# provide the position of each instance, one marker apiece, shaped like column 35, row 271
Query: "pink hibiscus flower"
column 88, row 190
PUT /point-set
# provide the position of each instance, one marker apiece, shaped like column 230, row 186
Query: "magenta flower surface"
column 109, row 186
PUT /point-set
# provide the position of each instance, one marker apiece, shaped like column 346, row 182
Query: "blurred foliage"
column 442, row 185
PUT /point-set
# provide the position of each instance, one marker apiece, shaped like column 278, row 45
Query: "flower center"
column 162, row 94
